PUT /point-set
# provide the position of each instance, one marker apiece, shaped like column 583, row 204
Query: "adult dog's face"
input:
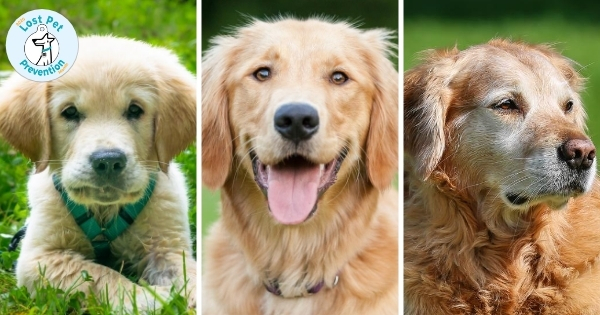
column 299, row 96
column 109, row 122
column 506, row 118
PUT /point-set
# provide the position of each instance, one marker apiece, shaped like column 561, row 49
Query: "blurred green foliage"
column 166, row 23
column 220, row 17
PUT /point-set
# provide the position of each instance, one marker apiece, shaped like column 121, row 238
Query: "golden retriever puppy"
column 299, row 130
column 101, row 137
column 501, row 198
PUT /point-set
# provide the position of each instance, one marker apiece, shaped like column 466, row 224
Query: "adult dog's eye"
column 134, row 111
column 338, row 78
column 507, row 104
column 262, row 74
column 71, row 113
column 569, row 106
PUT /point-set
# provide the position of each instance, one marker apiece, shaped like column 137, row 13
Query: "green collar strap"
column 101, row 236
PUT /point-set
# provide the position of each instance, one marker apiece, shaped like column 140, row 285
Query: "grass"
column 164, row 23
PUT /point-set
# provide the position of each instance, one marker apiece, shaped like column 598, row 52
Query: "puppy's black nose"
column 296, row 122
column 108, row 163
column 578, row 153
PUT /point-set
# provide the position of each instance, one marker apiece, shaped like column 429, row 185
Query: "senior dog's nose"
column 108, row 163
column 296, row 121
column 578, row 153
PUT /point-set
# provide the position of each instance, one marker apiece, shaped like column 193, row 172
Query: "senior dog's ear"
column 24, row 118
column 426, row 101
column 217, row 146
column 175, row 125
column 382, row 141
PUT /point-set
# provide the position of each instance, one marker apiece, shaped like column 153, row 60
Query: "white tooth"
column 321, row 168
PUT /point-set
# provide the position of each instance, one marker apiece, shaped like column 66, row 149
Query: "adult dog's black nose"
column 578, row 153
column 296, row 122
column 108, row 163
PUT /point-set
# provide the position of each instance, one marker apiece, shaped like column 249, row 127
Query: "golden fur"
column 354, row 230
column 481, row 125
column 104, row 81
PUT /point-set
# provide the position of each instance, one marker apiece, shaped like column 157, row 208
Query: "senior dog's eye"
column 134, row 111
column 262, row 74
column 569, row 106
column 70, row 113
column 338, row 77
column 507, row 105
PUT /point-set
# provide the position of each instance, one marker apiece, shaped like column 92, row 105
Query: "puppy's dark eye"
column 338, row 78
column 507, row 105
column 262, row 74
column 569, row 106
column 134, row 111
column 71, row 113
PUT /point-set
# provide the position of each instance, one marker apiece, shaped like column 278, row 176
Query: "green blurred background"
column 573, row 26
column 218, row 17
column 165, row 23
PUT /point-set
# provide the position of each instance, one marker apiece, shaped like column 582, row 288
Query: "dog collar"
column 273, row 287
column 101, row 236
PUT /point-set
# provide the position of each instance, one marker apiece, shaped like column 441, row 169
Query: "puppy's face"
column 102, row 132
column 109, row 122
column 300, row 98
column 515, row 124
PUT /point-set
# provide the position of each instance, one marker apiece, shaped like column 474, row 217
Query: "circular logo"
column 42, row 45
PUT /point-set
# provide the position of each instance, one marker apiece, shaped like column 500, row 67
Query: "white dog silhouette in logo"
column 42, row 38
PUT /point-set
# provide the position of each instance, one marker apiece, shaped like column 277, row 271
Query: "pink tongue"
column 292, row 191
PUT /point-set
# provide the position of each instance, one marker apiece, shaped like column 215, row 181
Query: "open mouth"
column 294, row 185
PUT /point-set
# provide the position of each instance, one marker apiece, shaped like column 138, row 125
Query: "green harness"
column 101, row 236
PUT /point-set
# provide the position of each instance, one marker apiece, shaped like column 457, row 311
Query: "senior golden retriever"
column 501, row 203
column 101, row 137
column 299, row 130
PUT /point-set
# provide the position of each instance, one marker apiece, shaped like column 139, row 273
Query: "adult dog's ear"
column 382, row 142
column 426, row 101
column 24, row 118
column 217, row 146
column 175, row 125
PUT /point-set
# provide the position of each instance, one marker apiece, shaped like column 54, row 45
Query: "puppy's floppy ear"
column 175, row 126
column 217, row 146
column 382, row 141
column 24, row 118
column 426, row 100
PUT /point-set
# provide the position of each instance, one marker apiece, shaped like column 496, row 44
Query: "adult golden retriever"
column 99, row 135
column 501, row 202
column 299, row 130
